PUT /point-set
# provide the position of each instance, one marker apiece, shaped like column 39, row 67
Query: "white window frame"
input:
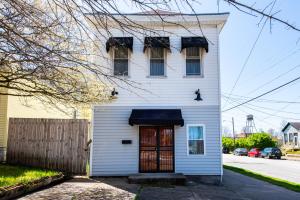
column 187, row 140
column 113, row 63
column 149, row 64
column 201, row 65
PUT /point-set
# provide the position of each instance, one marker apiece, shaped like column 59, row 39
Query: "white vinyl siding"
column 176, row 90
column 175, row 87
column 291, row 136
column 110, row 127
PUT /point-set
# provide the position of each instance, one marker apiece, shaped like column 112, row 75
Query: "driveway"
column 235, row 187
column 283, row 169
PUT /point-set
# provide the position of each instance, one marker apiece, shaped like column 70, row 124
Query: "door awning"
column 119, row 42
column 163, row 42
column 156, row 117
column 200, row 42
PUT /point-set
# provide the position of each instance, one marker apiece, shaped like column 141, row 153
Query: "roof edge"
column 293, row 124
column 163, row 14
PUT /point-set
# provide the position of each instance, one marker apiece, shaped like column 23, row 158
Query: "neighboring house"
column 12, row 106
column 169, row 121
column 291, row 133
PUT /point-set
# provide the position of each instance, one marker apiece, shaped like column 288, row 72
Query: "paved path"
column 251, row 188
column 284, row 169
column 235, row 187
column 87, row 189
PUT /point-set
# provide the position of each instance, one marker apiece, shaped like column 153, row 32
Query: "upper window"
column 193, row 61
column 157, row 63
column 121, row 61
column 195, row 139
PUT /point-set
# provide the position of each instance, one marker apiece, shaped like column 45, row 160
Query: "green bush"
column 228, row 143
column 242, row 143
column 258, row 140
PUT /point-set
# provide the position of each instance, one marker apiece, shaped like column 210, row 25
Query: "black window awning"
column 119, row 42
column 163, row 42
column 200, row 42
column 156, row 117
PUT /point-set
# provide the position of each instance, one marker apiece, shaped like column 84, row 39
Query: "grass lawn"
column 13, row 175
column 272, row 180
column 293, row 152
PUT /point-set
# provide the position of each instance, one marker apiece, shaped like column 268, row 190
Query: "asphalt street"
column 283, row 169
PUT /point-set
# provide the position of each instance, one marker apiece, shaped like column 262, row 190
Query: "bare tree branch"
column 240, row 5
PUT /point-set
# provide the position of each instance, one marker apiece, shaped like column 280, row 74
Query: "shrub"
column 241, row 143
column 260, row 140
column 228, row 143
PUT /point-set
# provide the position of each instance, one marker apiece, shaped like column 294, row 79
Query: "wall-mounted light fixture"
column 114, row 93
column 198, row 97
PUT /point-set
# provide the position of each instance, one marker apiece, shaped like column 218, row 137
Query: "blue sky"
column 274, row 61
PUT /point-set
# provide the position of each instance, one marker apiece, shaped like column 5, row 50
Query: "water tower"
column 250, row 125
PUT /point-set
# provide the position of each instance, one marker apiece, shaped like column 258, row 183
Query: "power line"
column 268, row 92
column 254, row 110
column 266, row 113
column 278, row 111
column 272, row 66
column 277, row 77
column 249, row 55
column 284, row 107
column 238, row 97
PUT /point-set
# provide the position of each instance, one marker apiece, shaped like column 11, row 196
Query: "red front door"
column 156, row 149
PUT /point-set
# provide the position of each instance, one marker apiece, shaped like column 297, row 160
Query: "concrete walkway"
column 87, row 189
column 284, row 169
column 251, row 188
column 235, row 187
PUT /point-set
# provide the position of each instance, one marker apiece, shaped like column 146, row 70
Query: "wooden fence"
column 59, row 144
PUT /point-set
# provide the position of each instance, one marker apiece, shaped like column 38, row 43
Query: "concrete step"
column 158, row 178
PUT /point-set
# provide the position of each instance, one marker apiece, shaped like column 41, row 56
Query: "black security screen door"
column 156, row 149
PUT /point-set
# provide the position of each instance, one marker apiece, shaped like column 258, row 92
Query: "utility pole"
column 233, row 132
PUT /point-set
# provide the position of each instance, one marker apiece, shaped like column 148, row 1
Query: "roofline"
column 285, row 127
column 289, row 123
column 163, row 14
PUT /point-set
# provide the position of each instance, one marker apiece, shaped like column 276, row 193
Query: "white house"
column 291, row 134
column 170, row 119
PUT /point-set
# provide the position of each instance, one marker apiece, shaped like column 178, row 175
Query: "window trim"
column 149, row 64
column 113, row 63
column 201, row 65
column 187, row 140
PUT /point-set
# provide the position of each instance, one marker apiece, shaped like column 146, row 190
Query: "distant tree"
column 261, row 130
column 242, row 143
column 226, row 131
column 271, row 131
column 260, row 140
column 228, row 143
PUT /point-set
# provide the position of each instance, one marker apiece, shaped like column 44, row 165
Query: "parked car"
column 240, row 152
column 271, row 152
column 225, row 150
column 254, row 152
